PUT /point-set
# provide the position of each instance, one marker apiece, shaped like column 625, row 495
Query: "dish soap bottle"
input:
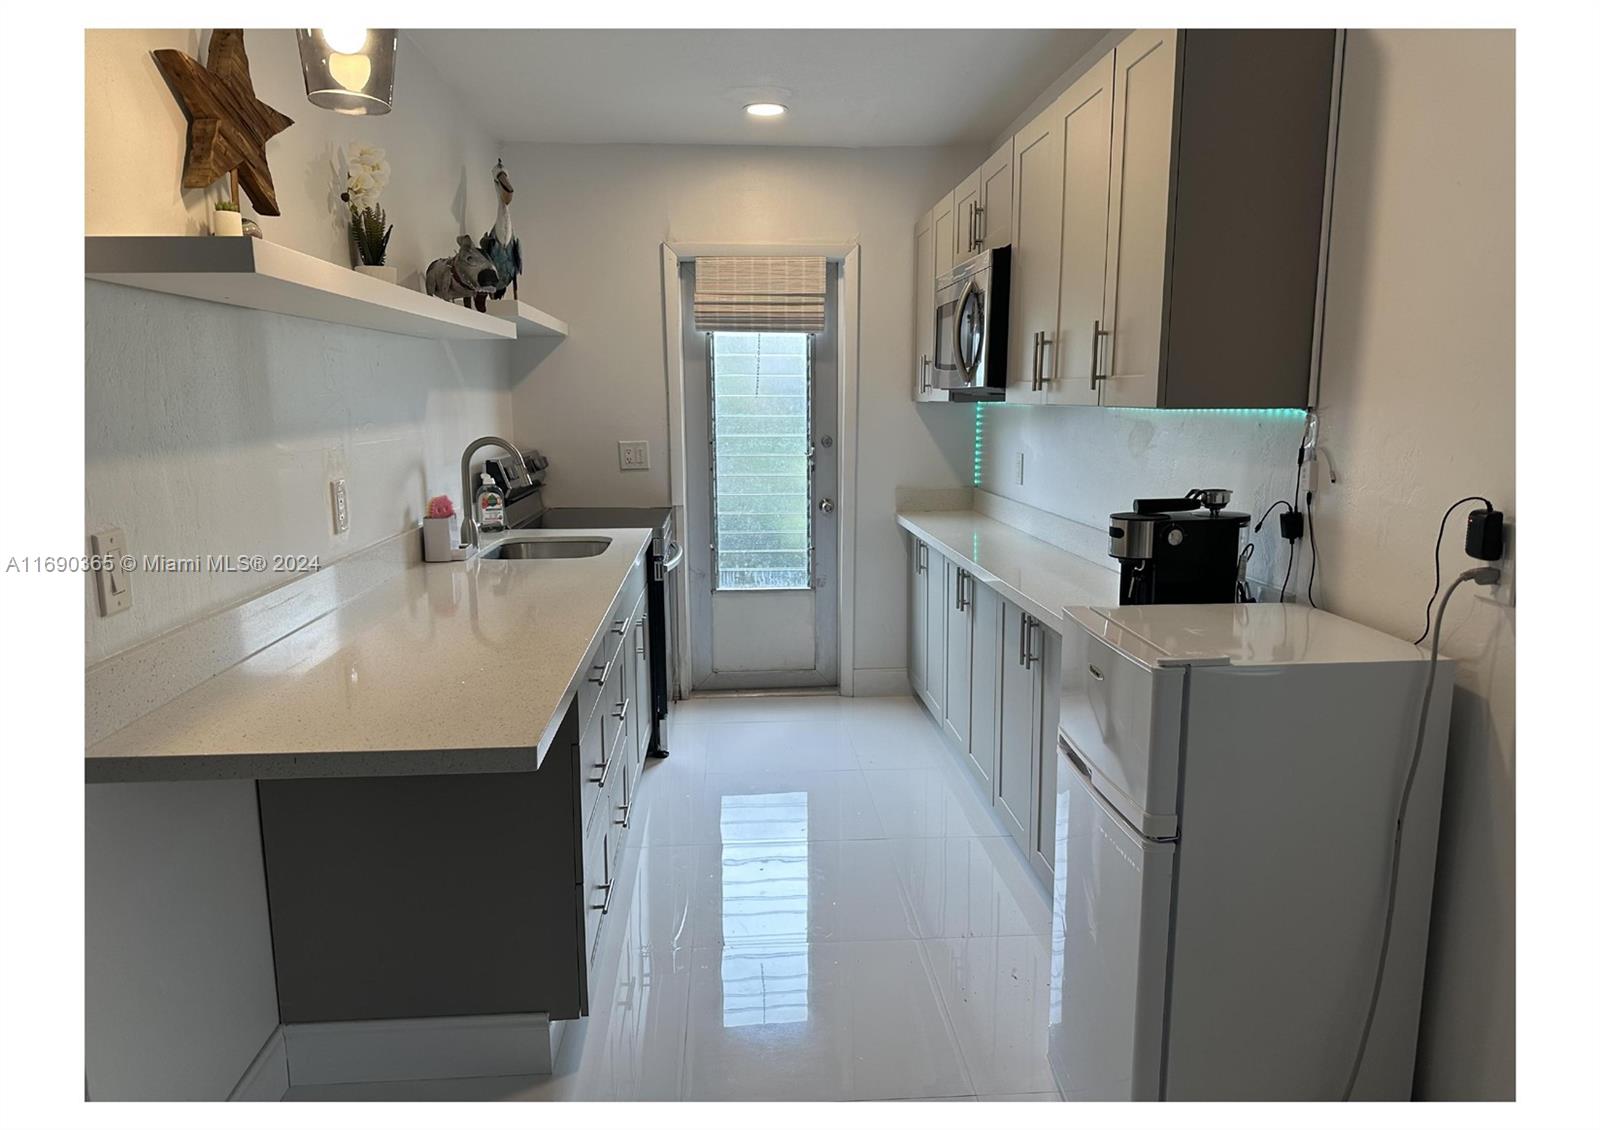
column 491, row 505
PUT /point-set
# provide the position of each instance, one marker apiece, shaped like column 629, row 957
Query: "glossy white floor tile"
column 816, row 902
column 997, row 991
column 819, row 1021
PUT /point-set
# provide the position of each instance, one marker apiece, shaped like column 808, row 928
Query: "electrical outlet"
column 1019, row 468
column 633, row 455
column 341, row 506
column 111, row 583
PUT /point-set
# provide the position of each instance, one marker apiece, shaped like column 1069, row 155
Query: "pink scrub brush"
column 440, row 506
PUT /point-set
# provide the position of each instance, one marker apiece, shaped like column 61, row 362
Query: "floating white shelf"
column 240, row 271
column 531, row 321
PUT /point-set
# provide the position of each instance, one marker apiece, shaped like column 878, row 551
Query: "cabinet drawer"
column 1123, row 720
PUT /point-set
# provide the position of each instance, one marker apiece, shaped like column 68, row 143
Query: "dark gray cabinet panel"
column 426, row 896
column 1250, row 154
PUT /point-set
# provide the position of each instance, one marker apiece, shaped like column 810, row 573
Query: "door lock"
column 825, row 505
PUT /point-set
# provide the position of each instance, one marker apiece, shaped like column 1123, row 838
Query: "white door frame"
column 672, row 254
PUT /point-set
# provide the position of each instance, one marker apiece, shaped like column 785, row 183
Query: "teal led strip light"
column 977, row 447
column 1279, row 412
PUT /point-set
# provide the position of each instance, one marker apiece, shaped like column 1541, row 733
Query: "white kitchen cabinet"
column 1020, row 701
column 1041, row 849
column 958, row 656
column 917, row 645
column 922, row 387
column 984, row 737
column 1035, row 254
column 1083, row 117
column 933, row 663
column 1136, row 250
column 968, row 197
column 944, row 235
column 994, row 220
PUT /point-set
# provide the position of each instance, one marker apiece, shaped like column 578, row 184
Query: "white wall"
column 178, row 963
column 211, row 429
column 592, row 220
column 215, row 430
column 1417, row 410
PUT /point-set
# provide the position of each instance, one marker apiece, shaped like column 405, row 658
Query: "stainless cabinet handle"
column 619, row 626
column 621, row 713
column 1033, row 385
column 972, row 224
column 622, row 808
column 980, row 220
column 605, row 906
column 1095, row 375
column 1045, row 342
column 1030, row 656
column 605, row 771
column 1022, row 639
column 603, row 668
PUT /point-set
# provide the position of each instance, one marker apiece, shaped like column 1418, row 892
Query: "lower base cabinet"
column 462, row 894
column 989, row 674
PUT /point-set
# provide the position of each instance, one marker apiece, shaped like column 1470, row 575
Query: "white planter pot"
column 227, row 223
column 387, row 274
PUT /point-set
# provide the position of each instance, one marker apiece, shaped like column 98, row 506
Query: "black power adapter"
column 1291, row 524
column 1486, row 536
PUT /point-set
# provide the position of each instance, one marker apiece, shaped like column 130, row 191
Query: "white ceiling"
column 853, row 88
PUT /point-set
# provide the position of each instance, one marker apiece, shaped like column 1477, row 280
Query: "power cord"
column 1484, row 575
column 1437, row 545
column 1311, row 532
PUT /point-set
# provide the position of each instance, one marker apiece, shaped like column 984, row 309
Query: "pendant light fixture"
column 349, row 70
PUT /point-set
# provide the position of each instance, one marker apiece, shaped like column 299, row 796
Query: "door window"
column 761, row 460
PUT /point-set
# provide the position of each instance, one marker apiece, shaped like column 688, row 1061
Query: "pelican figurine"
column 500, row 243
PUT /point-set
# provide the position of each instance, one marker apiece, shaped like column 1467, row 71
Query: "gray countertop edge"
column 420, row 762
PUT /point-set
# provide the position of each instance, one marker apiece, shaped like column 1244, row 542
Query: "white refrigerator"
column 1228, row 780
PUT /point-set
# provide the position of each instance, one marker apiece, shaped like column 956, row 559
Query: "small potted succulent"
column 225, row 218
column 366, row 176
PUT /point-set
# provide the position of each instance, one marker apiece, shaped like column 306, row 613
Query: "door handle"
column 825, row 505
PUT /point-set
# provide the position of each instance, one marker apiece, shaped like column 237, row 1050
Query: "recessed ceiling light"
column 766, row 109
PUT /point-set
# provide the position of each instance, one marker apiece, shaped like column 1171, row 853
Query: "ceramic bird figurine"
column 500, row 243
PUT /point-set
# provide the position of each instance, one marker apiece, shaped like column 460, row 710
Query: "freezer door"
column 1125, row 719
column 1108, row 966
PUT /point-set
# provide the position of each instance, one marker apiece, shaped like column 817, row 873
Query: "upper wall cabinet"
column 1167, row 224
column 982, row 206
column 922, row 387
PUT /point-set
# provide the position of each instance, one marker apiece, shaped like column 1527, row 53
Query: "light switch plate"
column 633, row 455
column 111, row 576
column 341, row 506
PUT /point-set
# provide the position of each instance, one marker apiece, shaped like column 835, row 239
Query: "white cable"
column 1486, row 575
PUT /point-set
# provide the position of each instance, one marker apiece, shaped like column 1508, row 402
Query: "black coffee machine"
column 1178, row 550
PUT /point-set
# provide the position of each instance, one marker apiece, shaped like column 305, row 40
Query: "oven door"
column 961, row 322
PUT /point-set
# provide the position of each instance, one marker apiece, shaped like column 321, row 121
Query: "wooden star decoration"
column 228, row 125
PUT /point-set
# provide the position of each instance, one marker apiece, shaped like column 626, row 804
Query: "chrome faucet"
column 469, row 528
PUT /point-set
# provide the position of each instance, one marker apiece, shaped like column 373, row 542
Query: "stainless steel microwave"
column 971, row 326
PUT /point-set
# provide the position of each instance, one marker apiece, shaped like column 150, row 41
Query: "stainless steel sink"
column 544, row 548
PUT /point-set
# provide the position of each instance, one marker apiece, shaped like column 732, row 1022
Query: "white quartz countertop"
column 1040, row 578
column 465, row 667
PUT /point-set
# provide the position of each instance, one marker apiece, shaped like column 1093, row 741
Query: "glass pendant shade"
column 349, row 70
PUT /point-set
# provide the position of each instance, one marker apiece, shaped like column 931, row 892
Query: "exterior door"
column 1136, row 257
column 1035, row 253
column 762, row 491
column 1073, row 359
